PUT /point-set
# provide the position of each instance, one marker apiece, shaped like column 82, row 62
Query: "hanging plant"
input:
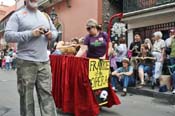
column 118, row 30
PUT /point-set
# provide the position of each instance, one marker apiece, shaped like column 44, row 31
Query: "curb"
column 167, row 96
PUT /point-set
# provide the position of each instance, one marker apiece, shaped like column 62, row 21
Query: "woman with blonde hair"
column 148, row 43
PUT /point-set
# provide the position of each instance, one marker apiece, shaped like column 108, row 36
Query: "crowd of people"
column 136, row 65
column 8, row 59
column 143, row 61
column 32, row 31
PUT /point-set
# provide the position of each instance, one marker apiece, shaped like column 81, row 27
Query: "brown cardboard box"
column 166, row 80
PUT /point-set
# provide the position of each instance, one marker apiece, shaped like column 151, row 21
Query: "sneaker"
column 173, row 92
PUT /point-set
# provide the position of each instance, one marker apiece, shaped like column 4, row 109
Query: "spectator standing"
column 121, row 51
column 14, row 61
column 32, row 30
column 135, row 48
column 172, row 47
column 168, row 43
column 158, row 52
column 7, row 62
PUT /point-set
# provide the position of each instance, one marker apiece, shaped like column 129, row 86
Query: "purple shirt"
column 96, row 45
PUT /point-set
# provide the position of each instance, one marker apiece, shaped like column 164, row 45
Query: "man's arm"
column 117, row 72
column 128, row 73
column 11, row 31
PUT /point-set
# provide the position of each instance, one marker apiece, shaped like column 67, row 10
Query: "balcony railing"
column 135, row 5
column 41, row 2
column 48, row 3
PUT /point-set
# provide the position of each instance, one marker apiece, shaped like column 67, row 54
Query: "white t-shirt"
column 158, row 45
column 168, row 42
column 14, row 55
column 7, row 59
column 121, row 52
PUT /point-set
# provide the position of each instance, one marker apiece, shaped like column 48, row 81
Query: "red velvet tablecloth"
column 71, row 88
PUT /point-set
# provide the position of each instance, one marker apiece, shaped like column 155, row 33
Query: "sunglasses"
column 89, row 28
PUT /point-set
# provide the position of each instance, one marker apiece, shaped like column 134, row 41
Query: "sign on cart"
column 99, row 75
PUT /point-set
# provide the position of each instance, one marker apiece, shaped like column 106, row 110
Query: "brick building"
column 5, row 13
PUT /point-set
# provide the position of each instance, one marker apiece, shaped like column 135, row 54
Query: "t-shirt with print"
column 158, row 45
column 96, row 45
column 135, row 47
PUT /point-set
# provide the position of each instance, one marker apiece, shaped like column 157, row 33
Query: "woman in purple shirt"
column 95, row 43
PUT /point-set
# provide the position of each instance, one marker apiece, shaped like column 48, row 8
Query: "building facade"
column 147, row 16
column 72, row 14
column 8, row 10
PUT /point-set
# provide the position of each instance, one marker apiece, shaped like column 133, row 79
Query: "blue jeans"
column 145, row 68
column 125, row 81
column 172, row 62
column 7, row 65
column 173, row 76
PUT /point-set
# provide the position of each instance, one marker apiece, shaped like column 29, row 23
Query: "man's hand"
column 37, row 32
column 123, row 73
column 116, row 74
column 48, row 35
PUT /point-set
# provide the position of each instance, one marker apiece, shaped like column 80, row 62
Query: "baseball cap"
column 92, row 23
column 125, row 60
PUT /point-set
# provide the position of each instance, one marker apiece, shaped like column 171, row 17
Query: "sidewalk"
column 167, row 97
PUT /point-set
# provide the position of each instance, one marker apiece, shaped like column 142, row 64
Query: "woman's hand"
column 83, row 49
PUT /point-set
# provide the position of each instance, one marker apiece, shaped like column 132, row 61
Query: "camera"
column 44, row 30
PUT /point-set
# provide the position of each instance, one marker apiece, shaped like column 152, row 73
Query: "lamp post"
column 54, row 18
column 53, row 14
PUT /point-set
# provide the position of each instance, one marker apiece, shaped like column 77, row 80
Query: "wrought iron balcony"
column 135, row 5
column 48, row 3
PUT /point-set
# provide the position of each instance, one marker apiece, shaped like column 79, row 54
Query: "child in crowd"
column 3, row 63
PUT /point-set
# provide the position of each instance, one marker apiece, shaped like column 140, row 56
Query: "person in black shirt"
column 136, row 45
column 135, row 48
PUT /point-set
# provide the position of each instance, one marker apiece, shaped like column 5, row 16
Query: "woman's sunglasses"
column 89, row 28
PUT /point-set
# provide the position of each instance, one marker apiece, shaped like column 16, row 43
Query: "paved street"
column 132, row 105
